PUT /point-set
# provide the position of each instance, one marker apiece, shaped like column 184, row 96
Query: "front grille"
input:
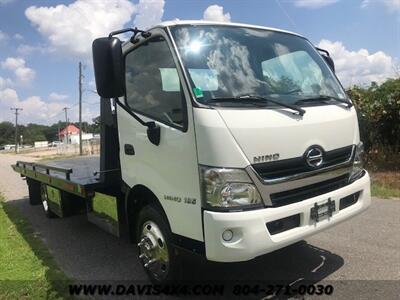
column 298, row 165
column 308, row 191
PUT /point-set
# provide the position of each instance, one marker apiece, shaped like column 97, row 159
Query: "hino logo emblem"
column 314, row 157
column 266, row 158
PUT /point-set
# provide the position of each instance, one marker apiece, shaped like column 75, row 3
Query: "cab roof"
column 202, row 22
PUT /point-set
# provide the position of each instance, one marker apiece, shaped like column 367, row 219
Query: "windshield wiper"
column 256, row 99
column 296, row 90
column 324, row 98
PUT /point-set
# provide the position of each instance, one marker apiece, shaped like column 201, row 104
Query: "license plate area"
column 321, row 211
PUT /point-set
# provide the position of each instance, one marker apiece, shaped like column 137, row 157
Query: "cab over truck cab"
column 228, row 140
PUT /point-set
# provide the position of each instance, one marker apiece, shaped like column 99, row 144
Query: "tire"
column 34, row 188
column 45, row 202
column 155, row 249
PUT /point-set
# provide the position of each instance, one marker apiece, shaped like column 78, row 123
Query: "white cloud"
column 216, row 13
column 150, row 13
column 365, row 3
column 3, row 2
column 359, row 67
column 25, row 75
column 8, row 97
column 314, row 3
column 3, row 36
column 5, row 82
column 35, row 109
column 47, row 110
column 18, row 36
column 25, row 49
column 17, row 65
column 12, row 63
column 2, row 83
column 393, row 5
column 70, row 29
column 57, row 97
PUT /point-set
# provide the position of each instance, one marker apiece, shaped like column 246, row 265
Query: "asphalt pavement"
column 360, row 258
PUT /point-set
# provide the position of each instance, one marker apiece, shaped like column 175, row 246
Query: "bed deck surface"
column 83, row 168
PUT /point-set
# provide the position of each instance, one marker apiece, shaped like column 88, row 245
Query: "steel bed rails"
column 41, row 173
column 47, row 168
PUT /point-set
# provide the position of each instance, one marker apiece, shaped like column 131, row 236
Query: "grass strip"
column 28, row 270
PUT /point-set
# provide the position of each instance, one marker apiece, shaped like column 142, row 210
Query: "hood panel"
column 261, row 132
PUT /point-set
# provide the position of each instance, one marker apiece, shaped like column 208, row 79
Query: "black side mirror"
column 153, row 133
column 328, row 59
column 108, row 67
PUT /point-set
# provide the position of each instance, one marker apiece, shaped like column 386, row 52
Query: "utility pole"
column 16, row 126
column 65, row 109
column 80, row 108
column 59, row 138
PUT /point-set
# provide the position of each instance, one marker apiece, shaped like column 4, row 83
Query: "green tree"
column 378, row 108
column 7, row 131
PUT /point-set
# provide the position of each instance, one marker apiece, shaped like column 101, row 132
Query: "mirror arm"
column 323, row 51
column 153, row 130
column 129, row 111
column 327, row 57
column 135, row 31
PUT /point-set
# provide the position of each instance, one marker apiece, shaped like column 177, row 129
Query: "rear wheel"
column 34, row 188
column 156, row 252
column 45, row 202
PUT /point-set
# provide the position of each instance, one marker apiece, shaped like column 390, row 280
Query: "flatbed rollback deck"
column 71, row 186
column 78, row 176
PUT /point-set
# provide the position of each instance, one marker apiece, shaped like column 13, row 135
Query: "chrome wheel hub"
column 153, row 250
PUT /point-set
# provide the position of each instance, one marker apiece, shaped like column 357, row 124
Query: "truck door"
column 155, row 92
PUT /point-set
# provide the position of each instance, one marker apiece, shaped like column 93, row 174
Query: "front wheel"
column 155, row 249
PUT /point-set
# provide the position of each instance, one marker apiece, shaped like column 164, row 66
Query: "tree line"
column 36, row 132
column 378, row 109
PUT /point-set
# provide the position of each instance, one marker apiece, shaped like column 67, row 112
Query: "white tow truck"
column 227, row 140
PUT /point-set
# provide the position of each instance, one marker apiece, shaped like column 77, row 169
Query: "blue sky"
column 41, row 42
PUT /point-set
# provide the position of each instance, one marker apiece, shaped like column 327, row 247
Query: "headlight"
column 228, row 189
column 358, row 165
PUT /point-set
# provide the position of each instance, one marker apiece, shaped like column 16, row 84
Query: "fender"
column 135, row 198
column 138, row 196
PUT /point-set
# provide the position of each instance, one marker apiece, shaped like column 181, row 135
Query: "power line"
column 62, row 111
column 70, row 108
column 286, row 14
column 16, row 126
column 90, row 103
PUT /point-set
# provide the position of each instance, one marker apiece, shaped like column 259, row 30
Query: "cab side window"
column 153, row 87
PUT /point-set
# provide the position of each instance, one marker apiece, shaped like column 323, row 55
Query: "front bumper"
column 251, row 237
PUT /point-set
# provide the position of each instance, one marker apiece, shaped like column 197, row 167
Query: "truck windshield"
column 227, row 61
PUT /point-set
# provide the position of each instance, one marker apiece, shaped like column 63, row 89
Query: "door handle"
column 129, row 150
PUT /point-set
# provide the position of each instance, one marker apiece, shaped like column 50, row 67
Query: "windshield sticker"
column 198, row 92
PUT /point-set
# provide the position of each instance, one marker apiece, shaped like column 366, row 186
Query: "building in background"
column 70, row 135
column 40, row 144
